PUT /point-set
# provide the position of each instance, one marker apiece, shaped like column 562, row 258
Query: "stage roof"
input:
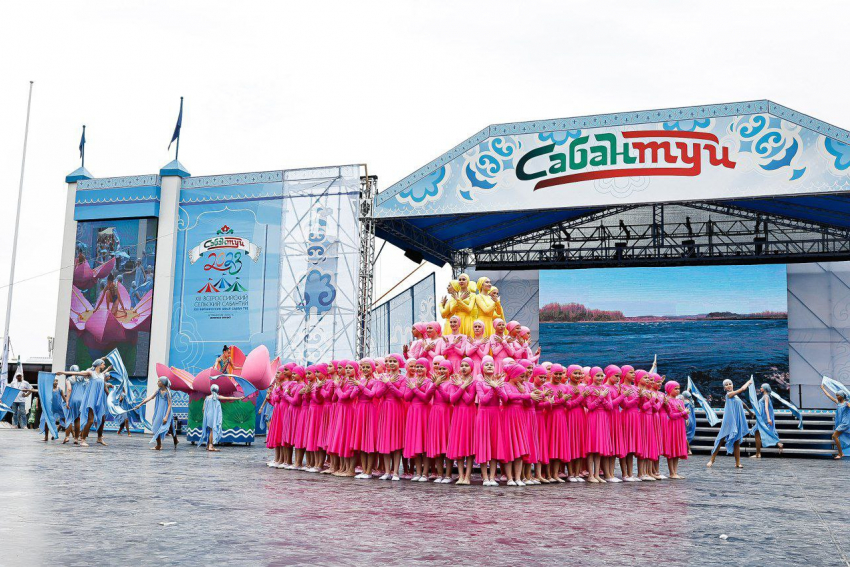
column 513, row 179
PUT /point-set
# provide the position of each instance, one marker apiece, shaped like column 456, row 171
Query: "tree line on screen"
column 578, row 313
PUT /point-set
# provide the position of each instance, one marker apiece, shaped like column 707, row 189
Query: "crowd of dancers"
column 460, row 400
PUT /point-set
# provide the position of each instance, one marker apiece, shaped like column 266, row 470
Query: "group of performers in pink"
column 459, row 399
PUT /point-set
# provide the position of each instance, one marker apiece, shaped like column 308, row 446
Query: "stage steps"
column 814, row 440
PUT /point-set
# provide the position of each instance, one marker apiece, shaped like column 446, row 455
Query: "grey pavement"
column 103, row 506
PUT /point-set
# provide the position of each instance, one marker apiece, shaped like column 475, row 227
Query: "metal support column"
column 367, row 261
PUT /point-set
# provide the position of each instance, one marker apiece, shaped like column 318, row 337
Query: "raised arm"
column 828, row 395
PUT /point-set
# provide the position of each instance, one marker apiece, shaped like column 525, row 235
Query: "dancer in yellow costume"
column 462, row 304
column 448, row 305
column 485, row 305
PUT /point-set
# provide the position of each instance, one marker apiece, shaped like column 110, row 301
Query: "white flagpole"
column 4, row 371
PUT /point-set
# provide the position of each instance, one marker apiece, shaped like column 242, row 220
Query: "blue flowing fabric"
column 709, row 412
column 795, row 411
column 835, row 387
column 79, row 386
column 212, row 421
column 160, row 412
column 48, row 398
column 691, row 426
column 769, row 436
column 58, row 408
column 842, row 425
column 734, row 426
column 94, row 400
column 7, row 399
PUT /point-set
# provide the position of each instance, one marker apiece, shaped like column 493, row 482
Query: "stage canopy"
column 746, row 182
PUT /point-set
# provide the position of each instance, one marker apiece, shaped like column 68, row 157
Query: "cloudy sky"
column 274, row 85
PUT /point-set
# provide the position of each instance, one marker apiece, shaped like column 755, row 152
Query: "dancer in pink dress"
column 342, row 443
column 292, row 395
column 439, row 422
column 489, row 389
column 332, row 389
column 630, row 422
column 513, row 443
column 416, row 427
column 275, row 429
column 461, row 430
column 500, row 346
column 364, row 435
column 390, row 389
column 576, row 393
column 419, row 332
column 659, row 417
column 453, row 346
column 433, row 341
column 677, row 439
column 314, row 420
column 612, row 383
column 540, row 427
column 649, row 441
column 598, row 436
column 559, row 434
column 478, row 346
column 287, row 384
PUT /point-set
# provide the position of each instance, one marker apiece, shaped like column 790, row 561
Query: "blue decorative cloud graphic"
column 840, row 151
column 424, row 190
column 319, row 292
column 560, row 137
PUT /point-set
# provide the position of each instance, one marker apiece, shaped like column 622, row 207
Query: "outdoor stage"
column 774, row 511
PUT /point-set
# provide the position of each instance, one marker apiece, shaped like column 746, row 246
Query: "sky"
column 690, row 290
column 277, row 85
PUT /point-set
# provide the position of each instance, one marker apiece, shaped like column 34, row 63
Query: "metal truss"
column 368, row 186
column 666, row 235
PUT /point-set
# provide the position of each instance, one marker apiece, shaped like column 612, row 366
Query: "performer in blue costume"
column 211, row 427
column 75, row 391
column 58, row 402
column 841, row 434
column 163, row 418
column 734, row 426
column 691, row 423
column 765, row 427
column 93, row 404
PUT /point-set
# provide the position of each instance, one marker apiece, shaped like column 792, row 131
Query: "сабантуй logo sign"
column 648, row 152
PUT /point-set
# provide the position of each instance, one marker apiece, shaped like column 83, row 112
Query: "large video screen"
column 112, row 293
column 708, row 322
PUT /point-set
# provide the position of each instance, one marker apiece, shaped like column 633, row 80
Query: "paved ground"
column 104, row 505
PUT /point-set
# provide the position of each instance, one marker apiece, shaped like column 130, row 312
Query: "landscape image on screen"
column 112, row 293
column 708, row 322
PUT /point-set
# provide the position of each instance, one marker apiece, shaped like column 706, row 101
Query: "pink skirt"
column 630, row 426
column 364, row 435
column 598, row 436
column 312, row 434
column 288, row 425
column 618, row 443
column 648, row 437
column 461, row 433
column 577, row 425
column 390, row 426
column 342, row 439
column 299, row 434
column 559, row 434
column 543, row 419
column 275, row 431
column 532, row 430
column 657, row 421
column 415, row 430
column 676, row 442
column 487, row 433
column 513, row 442
column 326, row 428
column 437, row 437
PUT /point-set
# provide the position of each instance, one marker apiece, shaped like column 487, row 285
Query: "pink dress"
column 342, row 439
column 488, row 422
column 415, row 349
column 477, row 351
column 513, row 442
column 453, row 351
column 501, row 351
column 618, row 444
column 439, row 420
column 657, row 410
column 315, row 415
column 390, row 415
column 676, row 440
column 301, row 415
column 326, row 429
column 275, row 430
column 558, row 430
column 576, row 421
column 290, row 418
column 461, row 431
column 364, row 436
column 630, row 420
column 649, row 441
column 538, row 432
column 286, row 422
column 416, row 426
column 598, row 437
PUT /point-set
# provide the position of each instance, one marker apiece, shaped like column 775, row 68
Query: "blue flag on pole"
column 83, row 144
column 176, row 134
column 45, row 392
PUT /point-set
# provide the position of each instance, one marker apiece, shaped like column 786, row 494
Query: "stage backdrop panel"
column 112, row 292
column 392, row 320
column 319, row 266
column 227, row 269
column 818, row 329
column 519, row 292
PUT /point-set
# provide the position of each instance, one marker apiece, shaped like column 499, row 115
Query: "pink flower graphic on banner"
column 110, row 324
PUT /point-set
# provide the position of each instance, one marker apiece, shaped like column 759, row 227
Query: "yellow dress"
column 464, row 309
column 485, row 308
column 449, row 309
